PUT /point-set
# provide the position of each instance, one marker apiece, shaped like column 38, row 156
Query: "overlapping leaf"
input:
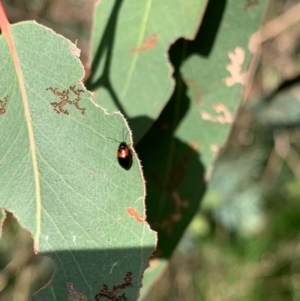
column 130, row 70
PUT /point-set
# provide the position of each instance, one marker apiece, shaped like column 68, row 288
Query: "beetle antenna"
column 113, row 139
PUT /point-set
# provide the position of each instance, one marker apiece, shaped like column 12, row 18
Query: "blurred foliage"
column 70, row 18
column 244, row 244
column 220, row 265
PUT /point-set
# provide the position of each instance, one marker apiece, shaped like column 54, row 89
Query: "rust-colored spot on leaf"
column 3, row 104
column 175, row 217
column 112, row 295
column 131, row 211
column 153, row 263
column 74, row 295
column 64, row 96
column 149, row 43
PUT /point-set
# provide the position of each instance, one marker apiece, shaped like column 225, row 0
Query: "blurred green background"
column 244, row 242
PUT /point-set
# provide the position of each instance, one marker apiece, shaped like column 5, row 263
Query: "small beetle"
column 124, row 155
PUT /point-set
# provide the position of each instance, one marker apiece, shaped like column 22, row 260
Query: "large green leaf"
column 130, row 71
column 59, row 172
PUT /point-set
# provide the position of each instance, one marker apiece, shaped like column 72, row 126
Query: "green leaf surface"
column 130, row 70
column 59, row 172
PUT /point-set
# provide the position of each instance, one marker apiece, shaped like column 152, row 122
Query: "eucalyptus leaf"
column 59, row 171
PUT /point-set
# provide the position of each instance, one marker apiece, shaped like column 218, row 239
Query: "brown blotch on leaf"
column 3, row 104
column 65, row 99
column 149, row 43
column 177, row 205
column 174, row 217
column 168, row 223
column 179, row 170
column 112, row 295
column 74, row 295
column 77, row 99
column 131, row 211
